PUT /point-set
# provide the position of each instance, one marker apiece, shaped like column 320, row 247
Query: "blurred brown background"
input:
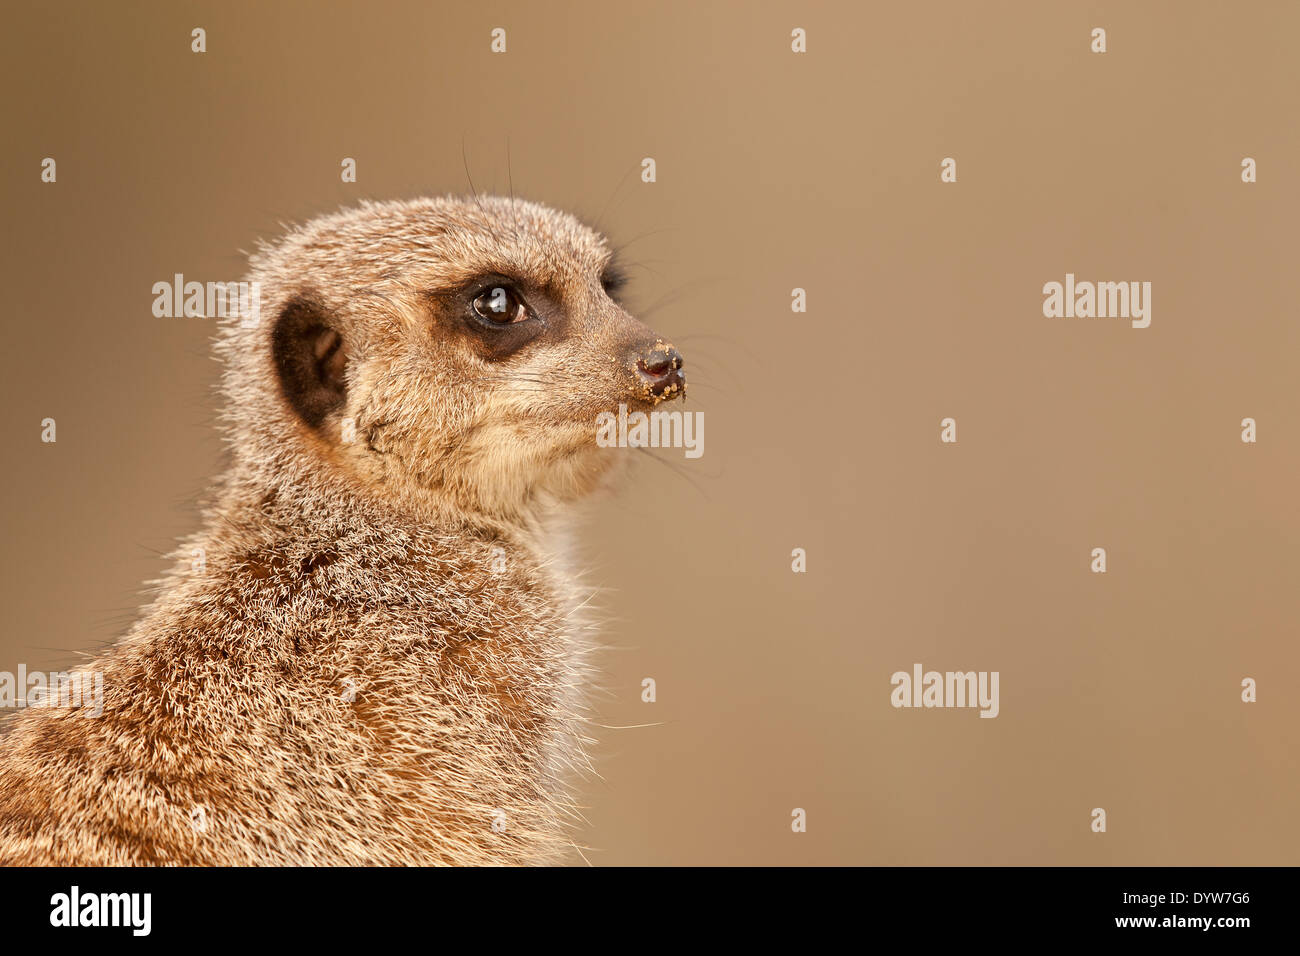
column 775, row 171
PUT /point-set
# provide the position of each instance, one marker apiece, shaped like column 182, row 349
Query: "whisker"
column 474, row 192
column 510, row 174
column 619, row 249
column 677, row 470
column 675, row 296
column 597, row 221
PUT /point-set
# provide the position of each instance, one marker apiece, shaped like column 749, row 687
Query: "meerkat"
column 381, row 655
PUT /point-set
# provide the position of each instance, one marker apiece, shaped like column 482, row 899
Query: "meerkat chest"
column 487, row 653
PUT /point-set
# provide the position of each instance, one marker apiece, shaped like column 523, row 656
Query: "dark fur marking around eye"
column 310, row 359
column 493, row 343
column 497, row 344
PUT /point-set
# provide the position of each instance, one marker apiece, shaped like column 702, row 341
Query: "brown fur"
column 384, row 651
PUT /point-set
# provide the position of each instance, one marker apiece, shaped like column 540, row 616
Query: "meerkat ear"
column 310, row 359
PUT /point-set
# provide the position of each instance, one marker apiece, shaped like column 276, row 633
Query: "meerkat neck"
column 274, row 505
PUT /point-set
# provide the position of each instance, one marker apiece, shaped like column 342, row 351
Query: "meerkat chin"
column 379, row 657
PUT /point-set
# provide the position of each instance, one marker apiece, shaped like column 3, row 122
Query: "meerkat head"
column 454, row 349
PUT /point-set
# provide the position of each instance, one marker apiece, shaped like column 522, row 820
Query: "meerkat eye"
column 500, row 305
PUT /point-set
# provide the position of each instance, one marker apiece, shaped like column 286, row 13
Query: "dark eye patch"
column 497, row 344
column 455, row 308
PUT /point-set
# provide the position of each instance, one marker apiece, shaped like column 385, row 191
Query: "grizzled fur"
column 381, row 658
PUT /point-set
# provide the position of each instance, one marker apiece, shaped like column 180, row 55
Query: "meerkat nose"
column 661, row 371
